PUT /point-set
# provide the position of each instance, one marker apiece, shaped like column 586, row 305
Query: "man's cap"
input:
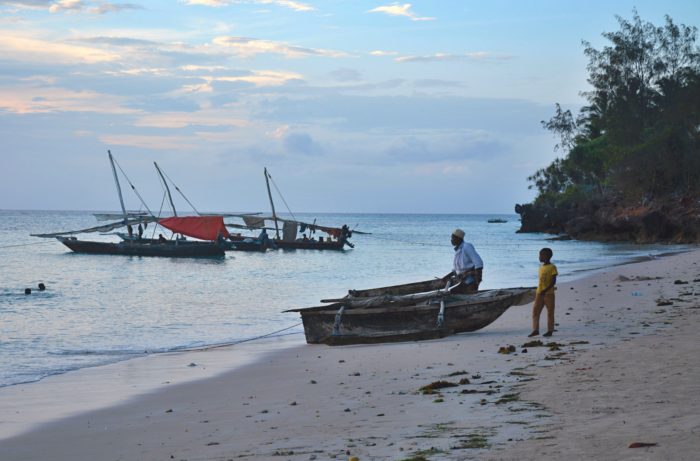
column 458, row 233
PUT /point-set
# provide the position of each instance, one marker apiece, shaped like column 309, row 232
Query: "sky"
column 354, row 106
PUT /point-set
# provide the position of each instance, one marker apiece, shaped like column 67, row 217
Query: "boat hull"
column 309, row 245
column 247, row 244
column 419, row 321
column 172, row 249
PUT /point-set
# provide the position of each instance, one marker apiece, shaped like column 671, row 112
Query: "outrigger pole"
column 272, row 204
column 119, row 189
column 167, row 189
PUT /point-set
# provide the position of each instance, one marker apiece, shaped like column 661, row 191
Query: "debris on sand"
column 506, row 349
column 457, row 373
column 435, row 385
column 664, row 302
column 637, row 278
column 642, row 444
column 535, row 343
column 508, row 398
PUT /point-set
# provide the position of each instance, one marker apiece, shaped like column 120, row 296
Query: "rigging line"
column 134, row 188
column 233, row 343
column 481, row 245
column 181, row 193
column 391, row 239
column 281, row 196
column 25, row 244
column 160, row 212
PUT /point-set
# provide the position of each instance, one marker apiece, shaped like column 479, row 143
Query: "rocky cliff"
column 666, row 221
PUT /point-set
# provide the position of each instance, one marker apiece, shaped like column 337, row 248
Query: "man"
column 467, row 264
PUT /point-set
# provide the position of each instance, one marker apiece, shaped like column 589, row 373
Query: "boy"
column 545, row 293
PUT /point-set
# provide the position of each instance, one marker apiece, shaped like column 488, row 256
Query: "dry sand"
column 626, row 370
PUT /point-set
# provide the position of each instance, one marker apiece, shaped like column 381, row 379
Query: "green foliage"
column 639, row 135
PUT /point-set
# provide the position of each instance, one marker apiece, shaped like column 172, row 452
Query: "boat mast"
column 119, row 189
column 167, row 189
column 272, row 204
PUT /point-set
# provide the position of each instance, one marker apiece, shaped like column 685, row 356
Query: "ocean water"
column 100, row 309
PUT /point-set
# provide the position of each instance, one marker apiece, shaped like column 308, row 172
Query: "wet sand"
column 623, row 370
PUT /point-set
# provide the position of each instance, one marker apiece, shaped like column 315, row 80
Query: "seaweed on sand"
column 435, row 385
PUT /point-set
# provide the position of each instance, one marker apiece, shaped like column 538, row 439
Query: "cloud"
column 212, row 3
column 383, row 53
column 397, row 115
column 104, row 8
column 172, row 120
column 183, row 143
column 301, row 143
column 444, row 57
column 72, row 6
column 296, row 6
column 400, row 10
column 35, row 99
column 248, row 47
column 262, row 78
column 196, row 68
column 451, row 147
column 36, row 50
column 29, row 4
column 66, row 5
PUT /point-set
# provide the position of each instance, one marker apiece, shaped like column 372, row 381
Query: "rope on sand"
column 233, row 343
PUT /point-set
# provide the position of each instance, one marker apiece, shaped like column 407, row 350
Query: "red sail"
column 199, row 227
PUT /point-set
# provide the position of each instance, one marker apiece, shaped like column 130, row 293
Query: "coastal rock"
column 667, row 220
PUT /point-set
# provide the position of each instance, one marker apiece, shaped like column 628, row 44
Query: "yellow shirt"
column 547, row 274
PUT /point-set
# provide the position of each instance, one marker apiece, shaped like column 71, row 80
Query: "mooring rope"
column 25, row 244
column 233, row 343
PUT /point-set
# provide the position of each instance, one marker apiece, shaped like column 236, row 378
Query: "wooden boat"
column 410, row 312
column 209, row 229
column 147, row 247
column 233, row 242
column 287, row 231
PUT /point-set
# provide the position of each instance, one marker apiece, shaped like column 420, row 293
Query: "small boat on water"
column 210, row 230
column 410, row 312
column 287, row 231
column 147, row 247
column 207, row 228
column 497, row 221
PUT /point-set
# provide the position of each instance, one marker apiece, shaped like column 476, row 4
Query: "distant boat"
column 235, row 243
column 497, row 221
column 336, row 237
column 411, row 312
column 148, row 247
column 210, row 229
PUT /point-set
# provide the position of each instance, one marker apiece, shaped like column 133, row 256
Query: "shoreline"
column 365, row 399
column 106, row 386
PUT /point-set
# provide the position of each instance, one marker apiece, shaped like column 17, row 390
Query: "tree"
column 639, row 133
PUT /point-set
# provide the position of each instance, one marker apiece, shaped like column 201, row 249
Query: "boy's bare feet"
column 535, row 333
column 548, row 334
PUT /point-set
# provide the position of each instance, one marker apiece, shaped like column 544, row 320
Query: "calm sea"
column 101, row 309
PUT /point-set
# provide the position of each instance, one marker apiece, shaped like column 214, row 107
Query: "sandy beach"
column 618, row 380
